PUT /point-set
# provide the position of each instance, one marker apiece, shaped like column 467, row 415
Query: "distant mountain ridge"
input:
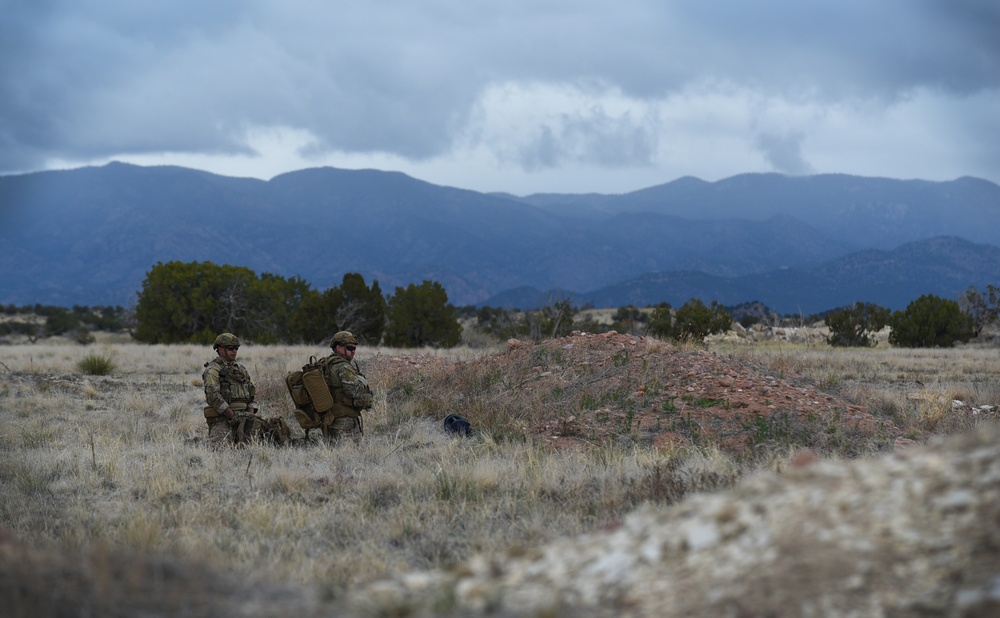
column 868, row 212
column 944, row 266
column 88, row 236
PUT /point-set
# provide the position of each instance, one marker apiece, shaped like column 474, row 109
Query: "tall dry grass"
column 120, row 461
column 923, row 391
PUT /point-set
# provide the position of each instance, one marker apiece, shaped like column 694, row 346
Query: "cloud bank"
column 517, row 96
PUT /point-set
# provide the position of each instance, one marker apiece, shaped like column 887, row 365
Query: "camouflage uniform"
column 228, row 387
column 350, row 390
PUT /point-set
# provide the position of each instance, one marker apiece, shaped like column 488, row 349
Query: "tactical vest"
column 235, row 384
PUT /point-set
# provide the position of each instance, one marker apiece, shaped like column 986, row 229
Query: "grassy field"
column 120, row 461
column 925, row 391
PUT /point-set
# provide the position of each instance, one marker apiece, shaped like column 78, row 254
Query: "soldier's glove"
column 229, row 414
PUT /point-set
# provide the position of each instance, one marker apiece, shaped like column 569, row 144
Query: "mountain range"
column 798, row 244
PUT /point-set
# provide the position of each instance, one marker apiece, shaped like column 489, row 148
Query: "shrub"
column 694, row 320
column 661, row 323
column 852, row 326
column 96, row 365
column 930, row 322
column 422, row 316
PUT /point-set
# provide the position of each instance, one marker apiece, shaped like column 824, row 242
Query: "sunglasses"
column 231, row 348
column 350, row 348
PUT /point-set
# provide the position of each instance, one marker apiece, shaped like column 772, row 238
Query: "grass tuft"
column 96, row 365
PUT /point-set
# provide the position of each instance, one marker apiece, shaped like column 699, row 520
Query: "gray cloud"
column 104, row 78
column 784, row 153
column 850, row 48
column 595, row 138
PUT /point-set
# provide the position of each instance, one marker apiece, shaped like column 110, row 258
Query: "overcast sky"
column 522, row 96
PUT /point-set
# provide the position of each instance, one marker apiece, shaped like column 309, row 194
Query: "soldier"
column 349, row 387
column 230, row 412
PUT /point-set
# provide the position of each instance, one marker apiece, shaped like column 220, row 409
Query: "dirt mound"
column 684, row 395
column 586, row 388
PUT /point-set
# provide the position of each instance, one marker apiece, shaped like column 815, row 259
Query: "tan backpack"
column 310, row 393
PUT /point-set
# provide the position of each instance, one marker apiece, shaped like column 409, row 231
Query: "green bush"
column 695, row 321
column 96, row 365
column 853, row 326
column 930, row 322
column 661, row 323
column 422, row 316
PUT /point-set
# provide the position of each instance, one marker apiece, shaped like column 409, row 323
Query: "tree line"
column 192, row 302
column 927, row 322
column 40, row 321
column 692, row 321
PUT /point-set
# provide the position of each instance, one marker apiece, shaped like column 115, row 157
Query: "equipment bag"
column 310, row 393
column 276, row 431
column 246, row 428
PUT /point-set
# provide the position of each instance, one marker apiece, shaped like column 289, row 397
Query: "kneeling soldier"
column 349, row 387
column 230, row 412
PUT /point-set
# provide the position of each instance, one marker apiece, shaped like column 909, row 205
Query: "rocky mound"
column 911, row 534
column 587, row 388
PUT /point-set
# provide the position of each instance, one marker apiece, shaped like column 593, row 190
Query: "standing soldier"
column 230, row 410
column 349, row 387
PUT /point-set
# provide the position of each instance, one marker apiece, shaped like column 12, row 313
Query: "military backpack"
column 310, row 393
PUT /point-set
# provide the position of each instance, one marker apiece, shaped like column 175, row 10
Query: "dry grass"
column 922, row 391
column 118, row 462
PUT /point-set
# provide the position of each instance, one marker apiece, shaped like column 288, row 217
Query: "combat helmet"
column 225, row 339
column 343, row 337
